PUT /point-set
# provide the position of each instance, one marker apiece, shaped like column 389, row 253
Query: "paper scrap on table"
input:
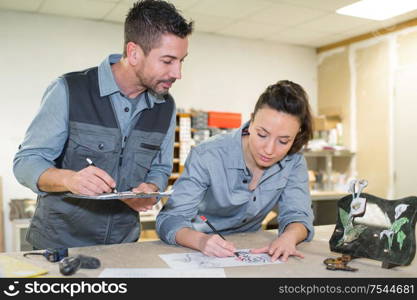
column 12, row 267
column 161, row 273
column 200, row 260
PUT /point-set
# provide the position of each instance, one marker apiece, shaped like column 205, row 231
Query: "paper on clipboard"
column 121, row 195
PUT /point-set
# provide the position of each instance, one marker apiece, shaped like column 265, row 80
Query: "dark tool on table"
column 69, row 265
column 52, row 255
column 72, row 264
column 89, row 262
column 339, row 263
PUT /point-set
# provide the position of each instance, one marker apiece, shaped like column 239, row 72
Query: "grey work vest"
column 94, row 132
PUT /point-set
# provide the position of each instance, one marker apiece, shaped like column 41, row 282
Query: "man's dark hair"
column 147, row 20
column 289, row 97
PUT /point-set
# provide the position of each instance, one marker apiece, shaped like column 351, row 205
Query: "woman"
column 235, row 179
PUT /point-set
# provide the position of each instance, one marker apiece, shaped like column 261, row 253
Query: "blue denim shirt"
column 215, row 183
column 48, row 132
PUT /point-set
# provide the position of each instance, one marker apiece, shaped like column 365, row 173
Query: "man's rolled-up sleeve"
column 44, row 139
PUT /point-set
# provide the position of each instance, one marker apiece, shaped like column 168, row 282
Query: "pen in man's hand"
column 91, row 163
column 216, row 232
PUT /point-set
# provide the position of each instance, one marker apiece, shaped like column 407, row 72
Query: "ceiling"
column 312, row 23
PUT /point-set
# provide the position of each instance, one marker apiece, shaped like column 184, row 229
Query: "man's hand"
column 91, row 181
column 142, row 204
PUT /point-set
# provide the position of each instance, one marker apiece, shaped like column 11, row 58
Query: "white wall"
column 228, row 74
column 220, row 73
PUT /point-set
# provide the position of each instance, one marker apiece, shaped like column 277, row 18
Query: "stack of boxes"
column 206, row 124
column 184, row 138
column 200, row 126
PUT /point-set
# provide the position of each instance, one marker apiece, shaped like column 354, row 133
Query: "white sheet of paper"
column 161, row 273
column 200, row 260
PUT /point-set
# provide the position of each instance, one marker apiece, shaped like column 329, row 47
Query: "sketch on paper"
column 200, row 260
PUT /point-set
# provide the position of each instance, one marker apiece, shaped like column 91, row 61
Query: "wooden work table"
column 145, row 255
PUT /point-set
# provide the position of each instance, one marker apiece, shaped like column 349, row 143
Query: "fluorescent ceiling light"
column 378, row 9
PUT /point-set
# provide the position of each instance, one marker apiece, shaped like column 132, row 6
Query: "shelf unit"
column 327, row 161
column 324, row 198
column 182, row 145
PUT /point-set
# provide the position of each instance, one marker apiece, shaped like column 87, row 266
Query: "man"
column 120, row 117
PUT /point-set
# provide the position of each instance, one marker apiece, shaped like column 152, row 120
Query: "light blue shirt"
column 48, row 132
column 215, row 183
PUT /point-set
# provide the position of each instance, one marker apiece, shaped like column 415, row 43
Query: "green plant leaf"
column 400, row 238
column 356, row 230
column 396, row 226
column 344, row 217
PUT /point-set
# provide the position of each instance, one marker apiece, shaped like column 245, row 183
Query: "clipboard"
column 121, row 195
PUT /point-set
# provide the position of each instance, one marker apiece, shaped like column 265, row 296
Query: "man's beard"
column 164, row 91
column 154, row 88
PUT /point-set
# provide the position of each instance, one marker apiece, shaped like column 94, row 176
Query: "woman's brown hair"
column 289, row 97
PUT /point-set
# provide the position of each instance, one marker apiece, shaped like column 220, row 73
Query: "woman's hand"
column 214, row 245
column 209, row 244
column 285, row 245
column 281, row 248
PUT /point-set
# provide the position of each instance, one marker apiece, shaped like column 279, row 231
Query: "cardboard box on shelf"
column 224, row 119
column 323, row 122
